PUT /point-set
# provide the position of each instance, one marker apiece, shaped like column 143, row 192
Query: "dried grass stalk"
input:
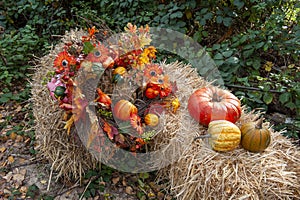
column 201, row 173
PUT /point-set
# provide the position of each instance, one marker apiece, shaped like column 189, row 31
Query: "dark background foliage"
column 254, row 43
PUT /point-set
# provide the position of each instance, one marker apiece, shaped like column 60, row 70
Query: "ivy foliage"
column 254, row 43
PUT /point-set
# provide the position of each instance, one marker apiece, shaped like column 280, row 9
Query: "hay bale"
column 201, row 173
column 68, row 157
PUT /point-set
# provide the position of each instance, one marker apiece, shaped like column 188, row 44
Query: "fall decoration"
column 212, row 103
column 193, row 170
column 255, row 138
column 119, row 64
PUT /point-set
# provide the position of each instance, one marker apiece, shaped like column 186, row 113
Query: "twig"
column 68, row 189
column 49, row 181
column 25, row 164
column 251, row 88
column 85, row 189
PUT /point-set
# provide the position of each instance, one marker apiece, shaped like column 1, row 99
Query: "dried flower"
column 136, row 123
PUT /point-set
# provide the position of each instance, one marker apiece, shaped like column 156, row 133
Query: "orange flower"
column 130, row 28
column 163, row 81
column 162, row 84
column 136, row 123
column 150, row 52
column 151, row 71
column 143, row 30
column 91, row 35
column 101, row 54
column 63, row 61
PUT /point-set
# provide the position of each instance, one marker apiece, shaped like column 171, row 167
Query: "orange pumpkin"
column 151, row 119
column 255, row 137
column 212, row 103
column 123, row 109
column 151, row 93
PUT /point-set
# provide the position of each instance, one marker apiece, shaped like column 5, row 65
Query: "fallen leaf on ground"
column 129, row 190
column 11, row 159
column 115, row 180
column 8, row 176
column 2, row 149
column 23, row 189
column 13, row 136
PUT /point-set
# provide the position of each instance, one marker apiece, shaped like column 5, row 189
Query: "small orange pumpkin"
column 151, row 119
column 123, row 109
column 255, row 137
column 151, row 93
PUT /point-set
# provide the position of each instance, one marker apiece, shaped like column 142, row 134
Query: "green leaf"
column 290, row 105
column 227, row 21
column 232, row 60
column 216, row 46
column 256, row 64
column 266, row 47
column 268, row 97
column 227, row 54
column 219, row 62
column 218, row 56
column 177, row 14
column 239, row 4
column 87, row 47
column 219, row 19
column 203, row 10
column 243, row 80
column 243, row 39
column 284, row 97
column 208, row 16
column 259, row 45
column 248, row 53
column 141, row 183
column 144, row 175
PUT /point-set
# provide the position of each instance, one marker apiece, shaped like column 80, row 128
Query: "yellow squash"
column 224, row 135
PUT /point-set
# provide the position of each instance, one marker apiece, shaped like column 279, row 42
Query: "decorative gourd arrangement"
column 219, row 110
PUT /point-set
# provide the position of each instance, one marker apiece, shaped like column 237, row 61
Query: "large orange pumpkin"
column 255, row 138
column 212, row 103
column 123, row 109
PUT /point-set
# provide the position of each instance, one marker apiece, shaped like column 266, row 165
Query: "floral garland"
column 128, row 60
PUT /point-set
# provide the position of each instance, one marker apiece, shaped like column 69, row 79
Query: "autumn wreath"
column 127, row 60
